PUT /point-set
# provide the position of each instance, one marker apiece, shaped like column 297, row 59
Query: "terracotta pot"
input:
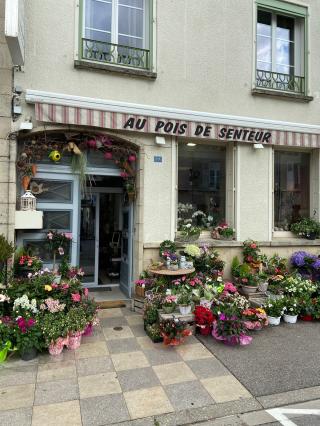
column 34, row 169
column 25, row 181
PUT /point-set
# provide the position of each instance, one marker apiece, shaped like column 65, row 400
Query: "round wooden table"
column 170, row 273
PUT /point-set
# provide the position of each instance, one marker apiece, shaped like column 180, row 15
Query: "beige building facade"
column 237, row 79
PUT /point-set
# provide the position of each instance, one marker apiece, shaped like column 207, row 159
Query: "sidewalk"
column 118, row 375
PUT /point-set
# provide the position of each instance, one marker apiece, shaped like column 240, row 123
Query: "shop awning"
column 164, row 125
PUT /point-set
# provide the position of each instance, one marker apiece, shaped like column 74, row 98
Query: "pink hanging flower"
column 108, row 155
column 75, row 297
column 61, row 251
column 92, row 143
column 132, row 158
column 86, row 292
column 49, row 235
column 68, row 235
column 124, row 175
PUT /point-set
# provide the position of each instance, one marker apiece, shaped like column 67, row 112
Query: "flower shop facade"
column 192, row 169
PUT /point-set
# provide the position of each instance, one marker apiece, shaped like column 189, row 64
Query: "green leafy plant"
column 53, row 325
column 184, row 298
column 291, row 306
column 274, row 308
column 167, row 246
column 76, row 319
column 306, row 228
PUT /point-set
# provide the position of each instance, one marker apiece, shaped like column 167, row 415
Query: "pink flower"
column 49, row 235
column 65, row 286
column 75, row 297
column 54, row 285
column 68, row 235
column 31, row 322
column 86, row 292
column 92, row 143
column 124, row 174
column 132, row 158
column 61, row 251
column 108, row 155
column 230, row 287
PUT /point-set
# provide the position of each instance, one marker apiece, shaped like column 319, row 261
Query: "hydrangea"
column 192, row 250
column 24, row 303
column 299, row 258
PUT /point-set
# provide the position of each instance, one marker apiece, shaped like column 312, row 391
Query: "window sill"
column 280, row 94
column 82, row 64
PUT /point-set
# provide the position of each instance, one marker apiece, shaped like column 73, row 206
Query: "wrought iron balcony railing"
column 278, row 81
column 115, row 54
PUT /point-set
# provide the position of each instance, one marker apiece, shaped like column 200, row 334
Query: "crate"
column 138, row 304
column 140, row 291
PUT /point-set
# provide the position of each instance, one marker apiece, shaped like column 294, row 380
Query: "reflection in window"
column 52, row 191
column 56, row 219
column 201, row 185
column 291, row 188
column 40, row 248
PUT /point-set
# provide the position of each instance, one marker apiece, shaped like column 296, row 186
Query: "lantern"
column 28, row 201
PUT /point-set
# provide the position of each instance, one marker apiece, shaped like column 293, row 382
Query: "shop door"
column 126, row 250
column 89, row 238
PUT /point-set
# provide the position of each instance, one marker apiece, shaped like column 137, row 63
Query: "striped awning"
column 51, row 113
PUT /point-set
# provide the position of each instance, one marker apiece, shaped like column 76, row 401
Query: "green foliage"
column 76, row 319
column 184, row 298
column 53, row 326
column 274, row 308
column 235, row 265
column 64, row 267
column 306, row 228
column 150, row 314
column 167, row 245
column 6, row 249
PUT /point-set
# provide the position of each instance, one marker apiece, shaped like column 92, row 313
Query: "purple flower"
column 222, row 317
column 316, row 264
column 298, row 258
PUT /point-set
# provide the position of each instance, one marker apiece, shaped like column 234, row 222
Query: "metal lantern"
column 28, row 201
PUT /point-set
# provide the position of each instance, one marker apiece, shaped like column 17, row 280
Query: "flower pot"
column 290, row 319
column 311, row 236
column 274, row 320
column 173, row 267
column 185, row 309
column 140, row 291
column 28, row 354
column 88, row 330
column 263, row 287
column 306, row 317
column 74, row 341
column 169, row 309
column 248, row 289
column 55, row 348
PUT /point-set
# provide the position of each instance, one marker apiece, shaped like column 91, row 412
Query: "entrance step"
column 107, row 304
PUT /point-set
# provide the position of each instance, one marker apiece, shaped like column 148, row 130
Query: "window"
column 291, row 188
column 117, row 32
column 281, row 47
column 201, row 185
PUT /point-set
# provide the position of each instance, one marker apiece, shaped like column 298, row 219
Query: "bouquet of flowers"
column 255, row 318
column 230, row 328
column 174, row 331
column 204, row 319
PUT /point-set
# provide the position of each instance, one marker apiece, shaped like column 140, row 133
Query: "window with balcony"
column 116, row 32
column 281, row 47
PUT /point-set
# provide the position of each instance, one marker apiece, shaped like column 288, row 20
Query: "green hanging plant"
column 79, row 166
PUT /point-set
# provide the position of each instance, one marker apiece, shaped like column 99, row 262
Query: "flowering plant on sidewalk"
column 174, row 331
column 274, row 308
column 27, row 333
column 291, row 306
column 204, row 319
column 230, row 328
column 255, row 318
column 307, row 264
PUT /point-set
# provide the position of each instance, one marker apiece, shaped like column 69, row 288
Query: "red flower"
column 75, row 297
column 253, row 245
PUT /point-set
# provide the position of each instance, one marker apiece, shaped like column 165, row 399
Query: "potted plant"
column 169, row 304
column 204, row 319
column 184, row 301
column 154, row 332
column 291, row 308
column 255, row 318
column 306, row 228
column 174, row 331
column 6, row 338
column 274, row 310
column 229, row 327
column 28, row 337
column 57, row 243
column 55, row 331
column 76, row 323
column 251, row 253
column 223, row 231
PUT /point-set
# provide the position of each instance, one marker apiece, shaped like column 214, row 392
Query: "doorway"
column 105, row 248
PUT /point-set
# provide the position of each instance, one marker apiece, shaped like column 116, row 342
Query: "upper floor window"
column 281, row 47
column 116, row 32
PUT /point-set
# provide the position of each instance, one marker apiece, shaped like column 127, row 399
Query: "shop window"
column 57, row 219
column 117, row 32
column 52, row 191
column 281, row 46
column 291, row 188
column 40, row 248
column 201, row 185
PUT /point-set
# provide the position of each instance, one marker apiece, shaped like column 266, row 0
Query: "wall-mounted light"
column 258, row 146
column 160, row 140
column 191, row 144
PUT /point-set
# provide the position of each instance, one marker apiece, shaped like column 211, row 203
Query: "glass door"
column 89, row 238
column 126, row 250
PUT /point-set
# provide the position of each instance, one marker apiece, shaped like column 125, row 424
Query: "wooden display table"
column 170, row 273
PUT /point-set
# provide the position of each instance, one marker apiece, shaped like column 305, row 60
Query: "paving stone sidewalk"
column 119, row 375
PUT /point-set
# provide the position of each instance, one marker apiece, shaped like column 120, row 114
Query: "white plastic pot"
column 291, row 319
column 274, row 320
column 185, row 309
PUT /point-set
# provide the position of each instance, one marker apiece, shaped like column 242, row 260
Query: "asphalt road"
column 280, row 359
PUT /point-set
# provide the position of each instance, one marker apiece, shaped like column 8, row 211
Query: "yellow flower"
column 48, row 287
